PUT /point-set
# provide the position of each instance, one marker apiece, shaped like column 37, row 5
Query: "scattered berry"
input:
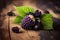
column 10, row 14
column 15, row 29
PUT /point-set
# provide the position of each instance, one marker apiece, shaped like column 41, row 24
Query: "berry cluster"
column 28, row 23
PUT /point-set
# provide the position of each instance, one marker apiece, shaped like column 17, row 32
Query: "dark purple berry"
column 15, row 29
column 10, row 14
column 37, row 13
column 27, row 23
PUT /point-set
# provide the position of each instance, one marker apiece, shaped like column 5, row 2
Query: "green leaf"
column 47, row 21
column 23, row 10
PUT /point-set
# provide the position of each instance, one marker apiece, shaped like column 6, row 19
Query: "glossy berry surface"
column 27, row 23
column 15, row 29
column 38, row 25
column 37, row 13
